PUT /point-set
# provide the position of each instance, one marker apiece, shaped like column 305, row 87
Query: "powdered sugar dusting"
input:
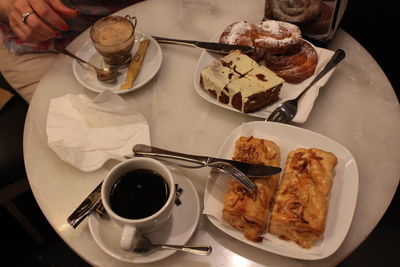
column 237, row 30
column 277, row 33
column 271, row 27
column 269, row 36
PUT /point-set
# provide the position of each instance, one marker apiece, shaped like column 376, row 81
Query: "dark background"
column 373, row 25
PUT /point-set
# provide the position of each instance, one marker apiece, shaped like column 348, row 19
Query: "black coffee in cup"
column 139, row 194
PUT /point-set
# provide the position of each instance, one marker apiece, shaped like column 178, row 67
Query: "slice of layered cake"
column 239, row 63
column 214, row 79
column 240, row 82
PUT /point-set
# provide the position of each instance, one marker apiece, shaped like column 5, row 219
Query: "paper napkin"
column 86, row 133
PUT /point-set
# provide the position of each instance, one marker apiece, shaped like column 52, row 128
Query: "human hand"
column 45, row 22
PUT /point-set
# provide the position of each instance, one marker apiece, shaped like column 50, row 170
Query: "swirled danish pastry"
column 301, row 204
column 294, row 67
column 274, row 37
column 321, row 23
column 238, row 33
column 299, row 12
column 241, row 33
column 277, row 37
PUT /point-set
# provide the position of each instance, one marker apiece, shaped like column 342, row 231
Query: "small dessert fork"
column 286, row 111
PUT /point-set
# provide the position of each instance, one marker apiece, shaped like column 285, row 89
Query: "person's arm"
column 45, row 22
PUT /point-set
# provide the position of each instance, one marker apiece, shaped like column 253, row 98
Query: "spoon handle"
column 199, row 250
column 68, row 53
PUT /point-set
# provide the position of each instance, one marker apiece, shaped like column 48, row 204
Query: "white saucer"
column 87, row 76
column 178, row 229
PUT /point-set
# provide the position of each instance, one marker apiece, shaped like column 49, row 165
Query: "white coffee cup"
column 133, row 228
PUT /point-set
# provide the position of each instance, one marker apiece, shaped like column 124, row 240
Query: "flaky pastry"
column 250, row 213
column 301, row 204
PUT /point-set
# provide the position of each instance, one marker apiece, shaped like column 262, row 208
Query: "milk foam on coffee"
column 114, row 33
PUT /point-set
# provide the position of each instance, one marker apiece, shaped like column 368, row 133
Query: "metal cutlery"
column 222, row 165
column 286, row 111
column 92, row 203
column 195, row 161
column 210, row 46
column 144, row 245
column 235, row 169
column 108, row 74
column 235, row 173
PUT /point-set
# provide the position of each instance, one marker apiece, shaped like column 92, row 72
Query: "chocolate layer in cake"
column 238, row 81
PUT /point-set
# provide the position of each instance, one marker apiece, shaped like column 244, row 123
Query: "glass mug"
column 113, row 37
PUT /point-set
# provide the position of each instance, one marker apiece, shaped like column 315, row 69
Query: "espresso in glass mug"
column 113, row 37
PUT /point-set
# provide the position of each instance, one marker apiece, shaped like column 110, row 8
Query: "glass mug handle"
column 132, row 19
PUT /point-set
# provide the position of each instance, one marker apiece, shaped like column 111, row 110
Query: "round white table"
column 357, row 108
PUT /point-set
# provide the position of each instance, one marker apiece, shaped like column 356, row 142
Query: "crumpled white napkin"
column 86, row 133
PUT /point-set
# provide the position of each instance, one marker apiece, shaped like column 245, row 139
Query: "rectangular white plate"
column 288, row 91
column 343, row 194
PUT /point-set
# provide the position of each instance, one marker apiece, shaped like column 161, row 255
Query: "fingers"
column 48, row 14
column 33, row 30
column 46, row 22
column 63, row 10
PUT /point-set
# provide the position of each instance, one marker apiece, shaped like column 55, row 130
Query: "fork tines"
column 238, row 175
column 281, row 114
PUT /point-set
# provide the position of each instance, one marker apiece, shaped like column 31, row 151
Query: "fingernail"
column 64, row 27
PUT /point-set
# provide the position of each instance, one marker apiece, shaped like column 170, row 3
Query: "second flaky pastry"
column 246, row 212
column 301, row 203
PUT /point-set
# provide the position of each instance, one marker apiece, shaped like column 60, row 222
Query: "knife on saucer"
column 91, row 203
column 252, row 170
column 210, row 46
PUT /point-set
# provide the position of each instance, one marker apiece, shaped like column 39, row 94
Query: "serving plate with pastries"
column 306, row 211
column 281, row 66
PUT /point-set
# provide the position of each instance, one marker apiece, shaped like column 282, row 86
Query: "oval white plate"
column 343, row 194
column 87, row 76
column 177, row 230
column 288, row 91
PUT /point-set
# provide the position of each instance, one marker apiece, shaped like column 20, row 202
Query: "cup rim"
column 148, row 218
column 112, row 17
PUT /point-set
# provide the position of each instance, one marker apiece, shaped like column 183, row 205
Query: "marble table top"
column 357, row 108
